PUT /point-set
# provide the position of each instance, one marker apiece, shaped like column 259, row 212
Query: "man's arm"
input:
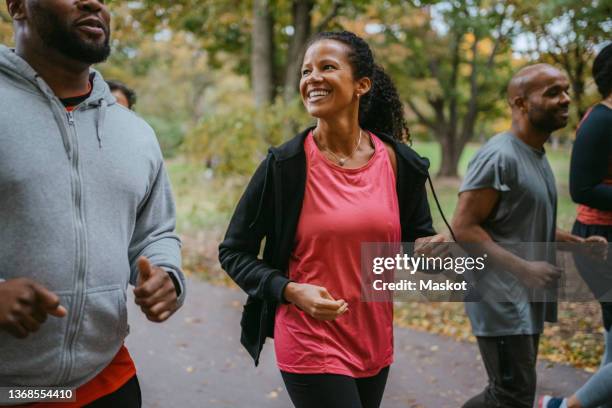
column 159, row 291
column 594, row 246
column 562, row 236
column 473, row 209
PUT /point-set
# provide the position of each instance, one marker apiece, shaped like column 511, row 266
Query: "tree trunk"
column 301, row 17
column 262, row 54
column 578, row 88
column 451, row 153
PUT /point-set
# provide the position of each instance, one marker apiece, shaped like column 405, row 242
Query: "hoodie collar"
column 24, row 76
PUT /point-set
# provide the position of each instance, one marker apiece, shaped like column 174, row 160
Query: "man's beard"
column 547, row 121
column 54, row 34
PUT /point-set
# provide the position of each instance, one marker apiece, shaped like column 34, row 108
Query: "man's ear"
column 16, row 9
column 519, row 103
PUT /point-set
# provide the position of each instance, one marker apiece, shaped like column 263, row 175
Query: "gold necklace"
column 341, row 160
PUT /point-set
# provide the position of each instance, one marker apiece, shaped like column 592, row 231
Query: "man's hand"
column 155, row 292
column 433, row 246
column 24, row 306
column 539, row 274
column 315, row 301
column 596, row 247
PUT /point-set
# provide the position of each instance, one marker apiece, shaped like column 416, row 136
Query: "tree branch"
column 438, row 106
column 333, row 13
column 470, row 117
column 422, row 118
column 452, row 103
column 500, row 36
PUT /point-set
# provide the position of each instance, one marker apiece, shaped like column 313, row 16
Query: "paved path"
column 195, row 360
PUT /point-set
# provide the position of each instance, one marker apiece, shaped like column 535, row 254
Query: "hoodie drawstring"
column 100, row 121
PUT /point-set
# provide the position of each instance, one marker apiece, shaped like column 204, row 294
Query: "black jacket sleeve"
column 589, row 165
column 420, row 224
column 239, row 251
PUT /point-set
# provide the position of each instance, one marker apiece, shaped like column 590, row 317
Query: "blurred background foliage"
column 200, row 64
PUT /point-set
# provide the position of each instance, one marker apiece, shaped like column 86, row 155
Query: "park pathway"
column 195, row 360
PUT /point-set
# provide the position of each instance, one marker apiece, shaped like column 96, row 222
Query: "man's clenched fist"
column 155, row 292
column 24, row 306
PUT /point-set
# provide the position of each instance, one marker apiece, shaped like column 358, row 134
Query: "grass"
column 205, row 203
column 447, row 189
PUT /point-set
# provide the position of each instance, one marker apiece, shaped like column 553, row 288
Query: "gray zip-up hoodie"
column 82, row 196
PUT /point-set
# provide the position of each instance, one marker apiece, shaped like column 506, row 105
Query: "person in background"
column 84, row 209
column 125, row 96
column 315, row 199
column 509, row 196
column 591, row 188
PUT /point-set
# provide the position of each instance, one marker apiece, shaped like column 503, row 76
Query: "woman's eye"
column 305, row 72
column 328, row 67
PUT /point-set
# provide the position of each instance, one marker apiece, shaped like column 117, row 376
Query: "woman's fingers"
column 329, row 310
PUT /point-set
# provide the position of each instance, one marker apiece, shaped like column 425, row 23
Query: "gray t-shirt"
column 526, row 212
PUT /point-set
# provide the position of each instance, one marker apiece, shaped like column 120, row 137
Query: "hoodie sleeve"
column 238, row 253
column 154, row 235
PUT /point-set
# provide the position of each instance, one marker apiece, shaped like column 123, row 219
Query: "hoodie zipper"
column 80, row 255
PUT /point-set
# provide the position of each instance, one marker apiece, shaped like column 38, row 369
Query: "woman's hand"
column 314, row 300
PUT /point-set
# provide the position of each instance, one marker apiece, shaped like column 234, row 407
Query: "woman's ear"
column 363, row 86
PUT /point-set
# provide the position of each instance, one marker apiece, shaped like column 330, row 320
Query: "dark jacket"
column 270, row 208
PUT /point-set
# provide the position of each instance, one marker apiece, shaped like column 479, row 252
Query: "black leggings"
column 335, row 391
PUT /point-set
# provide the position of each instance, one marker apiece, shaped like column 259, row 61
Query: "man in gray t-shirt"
column 525, row 212
column 509, row 196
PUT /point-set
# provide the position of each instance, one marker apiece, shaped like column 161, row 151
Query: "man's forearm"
column 566, row 240
column 564, row 236
column 477, row 237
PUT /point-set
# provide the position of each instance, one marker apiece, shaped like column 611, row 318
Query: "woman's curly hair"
column 602, row 71
column 380, row 110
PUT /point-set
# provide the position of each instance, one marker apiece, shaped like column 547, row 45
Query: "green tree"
column 566, row 33
column 266, row 37
column 168, row 70
column 451, row 60
column 6, row 26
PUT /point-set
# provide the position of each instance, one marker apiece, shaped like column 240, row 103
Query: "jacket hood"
column 22, row 75
column 295, row 146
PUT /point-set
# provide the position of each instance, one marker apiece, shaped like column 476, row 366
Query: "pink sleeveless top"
column 342, row 208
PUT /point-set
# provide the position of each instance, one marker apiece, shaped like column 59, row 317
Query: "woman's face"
column 327, row 85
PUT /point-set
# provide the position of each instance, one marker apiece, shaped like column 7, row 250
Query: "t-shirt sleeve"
column 489, row 168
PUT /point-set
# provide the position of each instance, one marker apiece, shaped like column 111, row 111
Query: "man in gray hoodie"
column 85, row 208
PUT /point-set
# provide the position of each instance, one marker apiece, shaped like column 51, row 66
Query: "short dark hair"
column 129, row 93
column 602, row 71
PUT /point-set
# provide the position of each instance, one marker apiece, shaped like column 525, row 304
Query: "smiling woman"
column 315, row 199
